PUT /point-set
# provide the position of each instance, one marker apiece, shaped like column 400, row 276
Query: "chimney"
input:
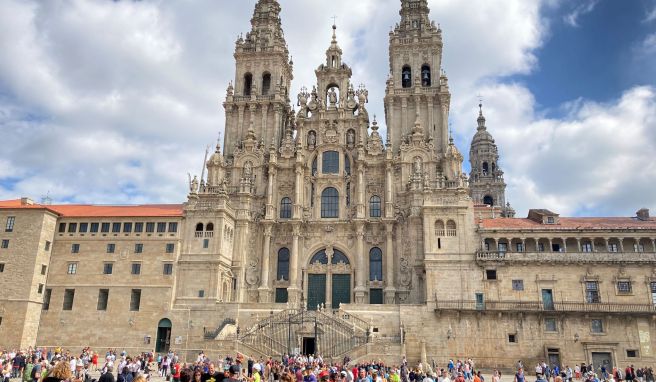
column 28, row 202
column 643, row 214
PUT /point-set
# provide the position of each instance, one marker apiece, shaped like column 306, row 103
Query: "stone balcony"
column 567, row 257
column 539, row 306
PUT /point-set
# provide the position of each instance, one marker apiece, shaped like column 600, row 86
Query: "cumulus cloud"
column 114, row 102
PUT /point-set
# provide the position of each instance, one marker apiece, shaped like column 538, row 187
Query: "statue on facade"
column 193, row 185
column 314, row 102
column 417, row 165
column 248, row 169
column 312, row 139
column 350, row 137
column 332, row 97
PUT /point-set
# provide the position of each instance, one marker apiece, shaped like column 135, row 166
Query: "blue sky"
column 115, row 102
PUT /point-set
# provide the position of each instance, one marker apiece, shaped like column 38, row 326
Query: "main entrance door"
column 163, row 336
column 602, row 359
column 316, row 291
column 341, row 290
column 309, row 345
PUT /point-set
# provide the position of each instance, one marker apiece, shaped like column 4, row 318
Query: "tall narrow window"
column 285, row 208
column 10, row 223
column 592, row 292
column 69, row 297
column 266, row 83
column 283, row 264
column 375, row 264
column 406, row 77
column 46, row 299
column 135, row 300
column 330, row 162
column 248, row 84
column 374, row 206
column 330, row 203
column 103, row 296
column 425, row 76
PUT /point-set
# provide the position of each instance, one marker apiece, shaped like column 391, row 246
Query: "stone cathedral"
column 308, row 231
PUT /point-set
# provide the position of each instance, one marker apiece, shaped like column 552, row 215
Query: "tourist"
column 519, row 376
column 108, row 375
column 60, row 372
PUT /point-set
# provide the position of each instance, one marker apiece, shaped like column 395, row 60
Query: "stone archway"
column 163, row 341
column 329, row 279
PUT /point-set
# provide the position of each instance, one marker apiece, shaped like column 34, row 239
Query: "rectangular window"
column 503, row 247
column 206, row 243
column 72, row 268
column 116, row 227
column 631, row 353
column 138, row 227
column 136, row 268
column 5, row 243
column 624, row 286
column 520, row 247
column 592, row 292
column 84, row 227
column 46, row 299
column 612, row 247
column 550, row 220
column 512, row 338
column 94, row 227
column 638, row 248
column 10, row 223
column 47, row 247
column 111, row 248
column 103, row 296
column 173, row 227
column 40, row 289
column 491, row 274
column 161, row 227
column 168, row 269
column 62, row 227
column 550, row 325
column 518, row 285
column 72, row 227
column 330, row 162
column 170, row 248
column 586, row 247
column 201, row 293
column 376, row 296
column 108, row 268
column 135, row 300
column 75, row 248
column 150, row 227
column 138, row 248
column 69, row 297
column 597, row 326
column 2, row 267
column 104, row 227
column 44, row 269
column 281, row 295
column 127, row 227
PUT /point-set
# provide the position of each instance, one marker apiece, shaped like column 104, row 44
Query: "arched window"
column 248, row 84
column 339, row 257
column 266, row 83
column 486, row 168
column 451, row 228
column 439, row 228
column 320, row 257
column 330, row 203
column 375, row 264
column 283, row 264
column 406, row 77
column 209, row 227
column 199, row 227
column 425, row 76
column 374, row 206
column 487, row 199
column 330, row 162
column 286, row 208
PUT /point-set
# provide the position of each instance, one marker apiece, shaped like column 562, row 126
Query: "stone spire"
column 481, row 118
column 414, row 16
column 334, row 52
column 266, row 28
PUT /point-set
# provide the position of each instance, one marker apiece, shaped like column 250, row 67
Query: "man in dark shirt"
column 107, row 376
column 212, row 375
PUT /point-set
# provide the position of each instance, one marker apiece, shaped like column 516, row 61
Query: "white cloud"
column 649, row 44
column 572, row 18
column 114, row 102
column 651, row 15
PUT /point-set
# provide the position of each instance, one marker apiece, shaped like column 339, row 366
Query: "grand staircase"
column 332, row 334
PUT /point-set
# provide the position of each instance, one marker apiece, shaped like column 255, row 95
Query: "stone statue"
column 312, row 139
column 332, row 97
column 350, row 137
column 417, row 165
column 248, row 169
column 193, row 187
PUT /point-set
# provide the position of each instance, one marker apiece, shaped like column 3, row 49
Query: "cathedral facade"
column 311, row 232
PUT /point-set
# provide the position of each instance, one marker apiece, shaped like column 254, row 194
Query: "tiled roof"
column 570, row 223
column 88, row 210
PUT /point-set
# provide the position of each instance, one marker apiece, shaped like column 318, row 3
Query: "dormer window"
column 550, row 220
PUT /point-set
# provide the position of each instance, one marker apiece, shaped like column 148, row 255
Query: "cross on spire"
column 334, row 20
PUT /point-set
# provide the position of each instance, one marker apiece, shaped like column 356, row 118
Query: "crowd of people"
column 57, row 365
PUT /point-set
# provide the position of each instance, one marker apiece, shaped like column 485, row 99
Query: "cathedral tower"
column 486, row 178
column 258, row 102
column 417, row 95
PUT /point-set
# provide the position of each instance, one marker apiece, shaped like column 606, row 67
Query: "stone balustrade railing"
column 541, row 306
column 568, row 257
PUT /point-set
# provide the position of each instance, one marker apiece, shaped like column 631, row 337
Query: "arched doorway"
column 328, row 279
column 163, row 336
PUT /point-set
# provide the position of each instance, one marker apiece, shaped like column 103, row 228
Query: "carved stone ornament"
column 330, row 134
column 252, row 273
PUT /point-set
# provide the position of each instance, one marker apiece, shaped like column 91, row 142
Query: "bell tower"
column 417, row 92
column 258, row 100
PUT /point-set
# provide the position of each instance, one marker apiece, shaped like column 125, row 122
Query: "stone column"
column 329, row 278
column 653, row 245
column 270, row 203
column 606, row 244
column 294, row 287
column 265, row 285
column 578, row 244
column 550, row 249
column 404, row 115
column 298, row 192
column 360, row 288
column 390, row 291
column 564, row 244
column 523, row 245
column 240, row 123
column 621, row 240
column 360, row 204
column 266, row 136
column 389, row 204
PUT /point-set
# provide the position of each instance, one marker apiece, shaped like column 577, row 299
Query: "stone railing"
column 567, row 257
column 540, row 306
